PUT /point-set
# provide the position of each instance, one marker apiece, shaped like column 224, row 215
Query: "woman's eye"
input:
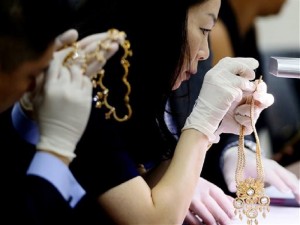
column 205, row 31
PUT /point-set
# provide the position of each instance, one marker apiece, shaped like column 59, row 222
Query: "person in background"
column 235, row 34
column 137, row 171
column 37, row 185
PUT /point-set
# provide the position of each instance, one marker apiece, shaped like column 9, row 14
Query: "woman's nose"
column 203, row 53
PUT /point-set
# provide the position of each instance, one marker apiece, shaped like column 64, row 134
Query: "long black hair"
column 157, row 32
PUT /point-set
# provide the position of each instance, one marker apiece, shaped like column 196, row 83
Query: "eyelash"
column 205, row 31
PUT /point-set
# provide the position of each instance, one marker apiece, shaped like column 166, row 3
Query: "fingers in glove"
column 243, row 67
column 246, row 122
column 263, row 100
column 76, row 75
column 67, row 38
column 243, row 117
column 108, row 49
column 261, row 86
column 98, row 38
column 64, row 75
column 56, row 64
column 83, row 43
column 96, row 65
column 97, row 51
column 243, row 111
column 81, row 81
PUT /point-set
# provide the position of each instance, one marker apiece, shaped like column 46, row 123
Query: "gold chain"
column 101, row 97
column 251, row 198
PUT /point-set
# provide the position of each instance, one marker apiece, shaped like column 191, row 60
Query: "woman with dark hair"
column 137, row 170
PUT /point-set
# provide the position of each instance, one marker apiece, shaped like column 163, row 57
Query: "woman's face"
column 14, row 84
column 201, row 19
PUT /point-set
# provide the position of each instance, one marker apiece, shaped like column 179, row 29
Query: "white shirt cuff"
column 58, row 174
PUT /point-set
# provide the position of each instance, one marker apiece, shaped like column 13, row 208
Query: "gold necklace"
column 101, row 97
column 251, row 198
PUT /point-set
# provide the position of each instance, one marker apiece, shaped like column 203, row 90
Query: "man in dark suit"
column 36, row 184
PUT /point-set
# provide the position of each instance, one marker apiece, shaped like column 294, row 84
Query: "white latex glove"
column 62, row 107
column 221, row 88
column 87, row 45
column 210, row 205
column 274, row 174
column 66, row 38
column 240, row 114
column 90, row 43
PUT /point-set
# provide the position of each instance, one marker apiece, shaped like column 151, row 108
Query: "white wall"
column 281, row 31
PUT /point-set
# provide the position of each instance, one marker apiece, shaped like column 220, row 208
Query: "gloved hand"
column 101, row 44
column 62, row 107
column 222, row 88
column 210, row 204
column 240, row 114
column 65, row 39
column 87, row 45
column 274, row 173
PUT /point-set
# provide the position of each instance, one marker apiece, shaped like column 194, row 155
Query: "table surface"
column 284, row 210
column 277, row 215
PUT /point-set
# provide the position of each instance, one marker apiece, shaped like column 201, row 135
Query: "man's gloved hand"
column 223, row 85
column 101, row 44
column 87, row 45
column 66, row 38
column 274, row 173
column 62, row 107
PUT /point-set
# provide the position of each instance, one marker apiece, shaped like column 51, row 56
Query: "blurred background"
column 280, row 32
column 279, row 35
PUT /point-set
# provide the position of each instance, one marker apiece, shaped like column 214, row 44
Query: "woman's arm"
column 134, row 202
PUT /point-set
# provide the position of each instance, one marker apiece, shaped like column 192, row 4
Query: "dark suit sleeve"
column 26, row 199
column 44, row 204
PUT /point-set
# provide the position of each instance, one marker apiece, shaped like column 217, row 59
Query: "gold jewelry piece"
column 102, row 95
column 74, row 57
column 101, row 98
column 251, row 198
